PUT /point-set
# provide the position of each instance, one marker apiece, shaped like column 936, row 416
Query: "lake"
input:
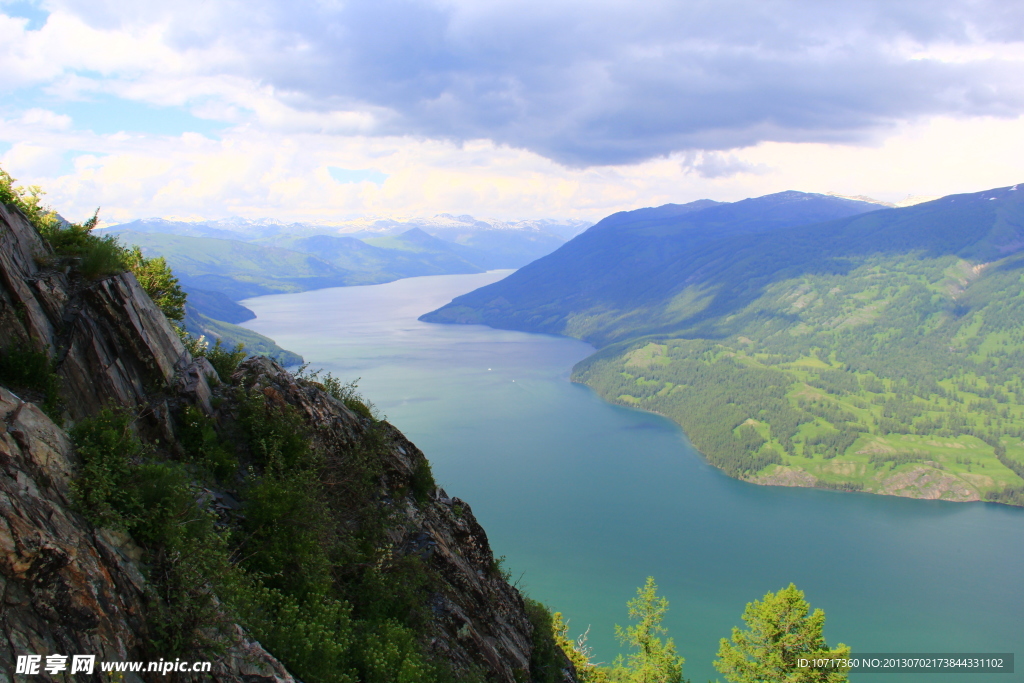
column 587, row 499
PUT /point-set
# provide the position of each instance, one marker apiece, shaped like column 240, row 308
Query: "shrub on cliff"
column 158, row 280
column 93, row 256
column 25, row 369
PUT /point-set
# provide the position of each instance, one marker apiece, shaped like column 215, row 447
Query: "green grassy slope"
column 200, row 325
column 896, row 370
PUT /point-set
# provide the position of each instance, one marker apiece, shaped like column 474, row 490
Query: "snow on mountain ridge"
column 385, row 224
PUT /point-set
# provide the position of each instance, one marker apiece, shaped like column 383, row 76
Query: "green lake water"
column 586, row 499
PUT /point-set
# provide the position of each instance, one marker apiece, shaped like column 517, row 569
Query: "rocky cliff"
column 70, row 587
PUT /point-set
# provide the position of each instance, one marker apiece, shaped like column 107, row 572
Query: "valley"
column 587, row 498
column 221, row 262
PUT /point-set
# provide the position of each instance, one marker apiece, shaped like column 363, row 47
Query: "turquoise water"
column 587, row 499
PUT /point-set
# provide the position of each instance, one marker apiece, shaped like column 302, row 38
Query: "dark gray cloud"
column 591, row 83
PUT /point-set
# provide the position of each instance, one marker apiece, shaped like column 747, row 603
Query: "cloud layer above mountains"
column 585, row 83
column 581, row 84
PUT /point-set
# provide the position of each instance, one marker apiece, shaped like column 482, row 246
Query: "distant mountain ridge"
column 361, row 251
column 628, row 262
column 246, row 229
column 222, row 261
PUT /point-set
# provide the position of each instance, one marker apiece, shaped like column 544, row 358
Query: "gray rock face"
column 110, row 341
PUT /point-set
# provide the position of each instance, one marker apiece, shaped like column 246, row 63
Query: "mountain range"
column 624, row 274
column 803, row 339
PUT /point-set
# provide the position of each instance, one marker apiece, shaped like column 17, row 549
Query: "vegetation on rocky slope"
column 299, row 555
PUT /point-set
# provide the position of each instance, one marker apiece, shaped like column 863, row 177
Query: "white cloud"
column 464, row 104
column 46, row 119
column 584, row 83
column 257, row 173
column 33, row 160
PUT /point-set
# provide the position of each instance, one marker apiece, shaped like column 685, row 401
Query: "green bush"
column 313, row 637
column 186, row 616
column 94, row 257
column 102, row 257
column 108, row 449
column 276, row 436
column 390, row 653
column 197, row 433
column 158, row 280
column 24, row 368
column 157, row 503
column 287, row 531
column 169, row 513
column 225, row 362
column 423, row 481
column 500, row 570
column 546, row 660
column 342, row 391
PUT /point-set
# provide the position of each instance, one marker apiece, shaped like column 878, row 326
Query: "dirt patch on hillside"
column 928, row 483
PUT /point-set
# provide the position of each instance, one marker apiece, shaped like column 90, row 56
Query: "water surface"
column 586, row 499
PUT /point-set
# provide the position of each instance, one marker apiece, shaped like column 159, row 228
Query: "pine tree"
column 780, row 633
column 654, row 661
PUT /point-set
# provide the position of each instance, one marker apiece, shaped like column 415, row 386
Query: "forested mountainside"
column 617, row 279
column 159, row 505
column 882, row 352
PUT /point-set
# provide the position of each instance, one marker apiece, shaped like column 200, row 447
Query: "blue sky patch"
column 105, row 114
column 26, row 9
column 349, row 175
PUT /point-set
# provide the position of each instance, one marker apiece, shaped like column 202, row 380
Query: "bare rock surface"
column 110, row 341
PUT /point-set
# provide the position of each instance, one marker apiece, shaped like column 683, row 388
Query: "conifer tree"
column 653, row 661
column 780, row 633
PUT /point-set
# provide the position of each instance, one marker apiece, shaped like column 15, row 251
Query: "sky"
column 330, row 109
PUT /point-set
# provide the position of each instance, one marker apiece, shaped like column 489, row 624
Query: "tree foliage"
column 652, row 660
column 156, row 278
column 578, row 652
column 780, row 631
